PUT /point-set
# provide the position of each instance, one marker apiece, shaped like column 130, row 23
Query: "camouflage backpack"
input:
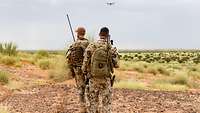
column 101, row 62
column 75, row 57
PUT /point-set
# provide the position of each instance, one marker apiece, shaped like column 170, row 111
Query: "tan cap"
column 80, row 31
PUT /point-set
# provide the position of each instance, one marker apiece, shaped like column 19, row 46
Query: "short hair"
column 104, row 31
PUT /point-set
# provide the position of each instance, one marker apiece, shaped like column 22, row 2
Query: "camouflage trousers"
column 99, row 96
column 80, row 84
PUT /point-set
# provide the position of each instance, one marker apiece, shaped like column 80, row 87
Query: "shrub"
column 169, row 87
column 44, row 64
column 132, row 66
column 194, row 74
column 163, row 70
column 145, row 65
column 180, row 78
column 130, row 85
column 42, row 53
column 18, row 65
column 1, row 48
column 8, row 60
column 139, row 69
column 8, row 48
column 59, row 69
column 58, row 75
column 126, row 65
column 4, row 77
column 152, row 70
column 192, row 68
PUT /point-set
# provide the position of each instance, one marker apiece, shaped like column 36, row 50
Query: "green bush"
column 4, row 77
column 44, row 64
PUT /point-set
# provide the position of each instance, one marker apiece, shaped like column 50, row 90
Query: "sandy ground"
column 62, row 98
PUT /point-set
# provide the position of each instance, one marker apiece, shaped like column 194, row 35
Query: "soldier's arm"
column 68, row 57
column 68, row 52
column 86, row 60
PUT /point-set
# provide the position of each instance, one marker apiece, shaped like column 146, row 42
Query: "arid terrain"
column 62, row 97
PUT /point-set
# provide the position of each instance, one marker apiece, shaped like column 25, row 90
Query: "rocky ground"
column 62, row 98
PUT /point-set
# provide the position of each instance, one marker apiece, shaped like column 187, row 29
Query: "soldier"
column 75, row 60
column 99, row 60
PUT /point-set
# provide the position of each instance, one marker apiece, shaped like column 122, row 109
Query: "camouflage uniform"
column 100, row 90
column 78, row 74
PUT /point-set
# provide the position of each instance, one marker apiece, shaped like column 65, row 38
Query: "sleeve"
column 87, row 58
column 68, row 52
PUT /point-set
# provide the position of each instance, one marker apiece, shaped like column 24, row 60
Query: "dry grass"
column 9, row 60
column 169, row 87
column 130, row 85
column 15, row 84
column 4, row 78
column 59, row 69
column 42, row 53
column 4, row 109
column 44, row 64
column 152, row 70
column 180, row 78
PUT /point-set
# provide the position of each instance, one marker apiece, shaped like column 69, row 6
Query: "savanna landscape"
column 148, row 81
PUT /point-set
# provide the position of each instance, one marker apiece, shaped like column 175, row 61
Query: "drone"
column 110, row 3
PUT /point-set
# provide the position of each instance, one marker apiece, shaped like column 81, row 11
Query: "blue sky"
column 134, row 24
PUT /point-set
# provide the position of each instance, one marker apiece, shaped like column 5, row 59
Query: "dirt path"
column 63, row 99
